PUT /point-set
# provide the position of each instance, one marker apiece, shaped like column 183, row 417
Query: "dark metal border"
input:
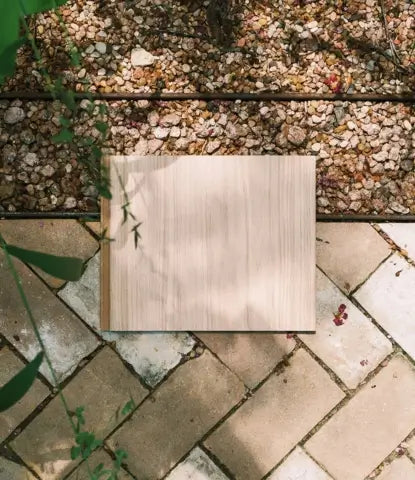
column 95, row 217
column 231, row 96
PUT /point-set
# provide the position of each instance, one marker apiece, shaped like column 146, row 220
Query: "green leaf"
column 66, row 268
column 96, row 153
column 128, row 407
column 65, row 122
column 87, row 443
column 98, row 468
column 8, row 59
column 79, row 414
column 102, row 127
column 75, row 57
column 9, row 37
column 75, row 452
column 36, row 6
column 120, row 455
column 67, row 97
column 15, row 389
column 64, row 136
column 10, row 13
column 103, row 109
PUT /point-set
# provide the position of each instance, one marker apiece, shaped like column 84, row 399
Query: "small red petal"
column 337, row 321
column 342, row 308
column 345, row 316
column 290, row 335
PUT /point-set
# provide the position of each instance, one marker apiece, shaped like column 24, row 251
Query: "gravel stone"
column 153, row 118
column 14, row 115
column 212, row 146
column 47, row 171
column 142, row 147
column 172, row 119
column 154, row 145
column 161, row 133
column 295, row 135
column 31, row 159
column 70, row 203
column 101, row 48
column 141, row 58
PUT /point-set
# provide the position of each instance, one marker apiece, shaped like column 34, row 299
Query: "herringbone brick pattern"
column 334, row 405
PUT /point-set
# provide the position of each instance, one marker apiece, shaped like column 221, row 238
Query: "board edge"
column 105, row 321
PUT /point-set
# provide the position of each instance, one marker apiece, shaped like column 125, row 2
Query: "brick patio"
column 334, row 405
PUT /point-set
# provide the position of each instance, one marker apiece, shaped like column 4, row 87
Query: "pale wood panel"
column 228, row 243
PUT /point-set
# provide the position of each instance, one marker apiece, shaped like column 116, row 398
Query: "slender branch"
column 42, row 345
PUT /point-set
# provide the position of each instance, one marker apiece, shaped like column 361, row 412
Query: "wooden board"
column 227, row 243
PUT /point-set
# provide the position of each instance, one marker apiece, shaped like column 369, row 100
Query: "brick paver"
column 252, row 356
column 67, row 339
column 197, row 406
column 351, row 350
column 411, row 447
column 97, row 458
column 152, row 355
column 188, row 404
column 349, row 252
column 95, row 227
column 389, row 297
column 83, row 296
column 197, row 466
column 103, row 387
column 299, row 466
column 10, row 366
column 13, row 471
column 58, row 237
column 357, row 439
column 400, row 469
column 258, row 435
column 403, row 234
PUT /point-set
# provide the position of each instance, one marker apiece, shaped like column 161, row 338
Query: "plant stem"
column 42, row 345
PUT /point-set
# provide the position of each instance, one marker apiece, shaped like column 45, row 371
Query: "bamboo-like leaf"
column 64, row 136
column 36, row 6
column 66, row 268
column 15, row 389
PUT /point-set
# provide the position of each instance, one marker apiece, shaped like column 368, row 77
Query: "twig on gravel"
column 393, row 50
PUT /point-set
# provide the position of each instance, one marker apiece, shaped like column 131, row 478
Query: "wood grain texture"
column 228, row 243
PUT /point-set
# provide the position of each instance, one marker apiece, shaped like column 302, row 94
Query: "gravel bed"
column 284, row 45
column 365, row 151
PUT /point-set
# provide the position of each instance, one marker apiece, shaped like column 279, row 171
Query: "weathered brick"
column 10, row 366
column 97, row 458
column 57, row 237
column 411, row 447
column 13, row 471
column 66, row 338
column 94, row 226
column 103, row 387
column 152, row 354
column 389, row 298
column 185, row 407
column 197, row 466
column 351, row 350
column 284, row 409
column 252, row 356
column 400, row 469
column 299, row 466
column 403, row 234
column 362, row 433
column 349, row 252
